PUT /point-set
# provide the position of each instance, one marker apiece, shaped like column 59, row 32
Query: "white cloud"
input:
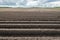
column 29, row 3
column 32, row 3
column 53, row 4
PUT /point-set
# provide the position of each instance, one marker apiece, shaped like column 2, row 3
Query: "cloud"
column 29, row 3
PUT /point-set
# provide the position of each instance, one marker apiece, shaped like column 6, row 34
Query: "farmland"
column 11, row 19
column 29, row 14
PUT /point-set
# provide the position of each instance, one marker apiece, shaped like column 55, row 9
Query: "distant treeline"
column 5, row 7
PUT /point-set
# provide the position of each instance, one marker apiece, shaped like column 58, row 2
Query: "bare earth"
column 29, row 38
column 8, row 14
column 11, row 14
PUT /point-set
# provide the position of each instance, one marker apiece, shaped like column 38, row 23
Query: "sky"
column 29, row 3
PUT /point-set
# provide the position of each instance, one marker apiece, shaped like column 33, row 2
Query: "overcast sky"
column 29, row 3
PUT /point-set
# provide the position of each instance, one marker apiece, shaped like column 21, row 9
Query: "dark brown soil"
column 30, row 16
